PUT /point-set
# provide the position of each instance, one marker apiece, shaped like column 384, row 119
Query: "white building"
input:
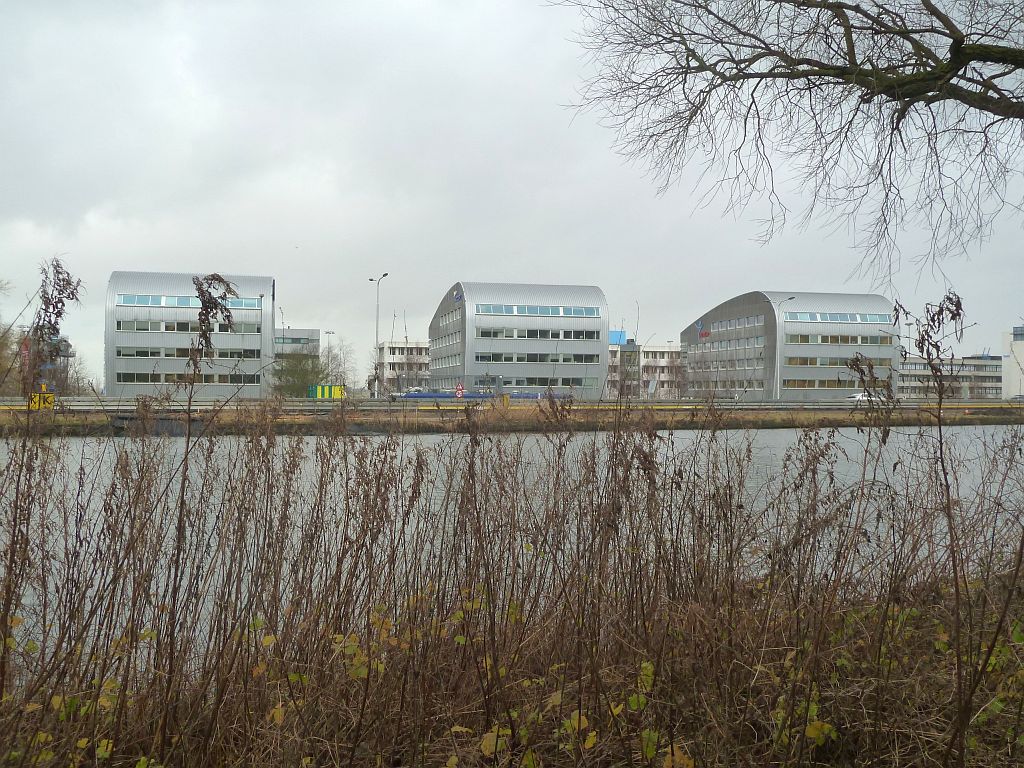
column 972, row 377
column 403, row 365
column 651, row 372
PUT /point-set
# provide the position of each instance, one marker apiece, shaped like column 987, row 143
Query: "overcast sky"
column 325, row 142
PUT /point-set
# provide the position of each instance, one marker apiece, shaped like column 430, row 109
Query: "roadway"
column 111, row 405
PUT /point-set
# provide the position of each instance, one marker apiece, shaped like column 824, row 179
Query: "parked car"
column 1017, row 399
column 860, row 397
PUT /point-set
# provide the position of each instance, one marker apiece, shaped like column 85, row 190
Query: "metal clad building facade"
column 771, row 345
column 297, row 341
column 506, row 338
column 151, row 320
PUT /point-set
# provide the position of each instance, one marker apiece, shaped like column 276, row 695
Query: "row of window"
column 446, row 362
column 231, row 354
column 740, row 322
column 838, row 317
column 184, row 378
column 1018, row 333
column 410, row 351
column 739, row 384
column 951, row 378
column 537, row 381
column 534, row 309
column 536, row 333
column 749, row 342
column 819, row 384
column 295, row 340
column 929, row 390
column 443, row 341
column 536, row 357
column 451, row 317
column 815, row 338
column 837, row 362
column 150, row 300
column 183, row 326
column 748, row 363
column 951, row 368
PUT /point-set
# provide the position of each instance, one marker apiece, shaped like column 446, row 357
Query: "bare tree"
column 337, row 361
column 891, row 113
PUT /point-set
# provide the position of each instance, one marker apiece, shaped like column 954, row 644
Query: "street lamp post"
column 376, row 339
column 330, row 360
column 640, row 368
column 778, row 344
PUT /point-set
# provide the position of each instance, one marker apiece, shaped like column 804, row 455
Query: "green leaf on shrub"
column 819, row 731
column 636, row 702
column 648, row 743
column 104, row 747
column 645, row 680
column 1018, row 632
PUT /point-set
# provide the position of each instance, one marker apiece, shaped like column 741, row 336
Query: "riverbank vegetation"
column 626, row 598
column 494, row 417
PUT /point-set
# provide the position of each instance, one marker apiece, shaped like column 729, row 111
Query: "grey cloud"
column 325, row 142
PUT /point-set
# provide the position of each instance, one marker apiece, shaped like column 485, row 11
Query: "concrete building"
column 152, row 319
column 623, row 367
column 403, row 366
column 769, row 345
column 506, row 338
column 972, row 377
column 650, row 372
column 1013, row 363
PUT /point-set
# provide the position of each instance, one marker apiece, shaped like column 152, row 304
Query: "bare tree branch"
column 893, row 114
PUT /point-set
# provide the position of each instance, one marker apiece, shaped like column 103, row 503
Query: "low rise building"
column 515, row 338
column 152, row 322
column 298, row 368
column 651, row 372
column 972, row 377
column 296, row 341
column 777, row 345
column 403, row 366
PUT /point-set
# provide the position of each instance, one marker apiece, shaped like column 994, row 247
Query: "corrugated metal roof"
column 831, row 302
column 529, row 293
column 180, row 283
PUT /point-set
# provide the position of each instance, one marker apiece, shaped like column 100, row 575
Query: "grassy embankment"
column 605, row 599
column 493, row 417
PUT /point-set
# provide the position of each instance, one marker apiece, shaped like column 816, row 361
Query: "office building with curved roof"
column 790, row 346
column 152, row 320
column 517, row 338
